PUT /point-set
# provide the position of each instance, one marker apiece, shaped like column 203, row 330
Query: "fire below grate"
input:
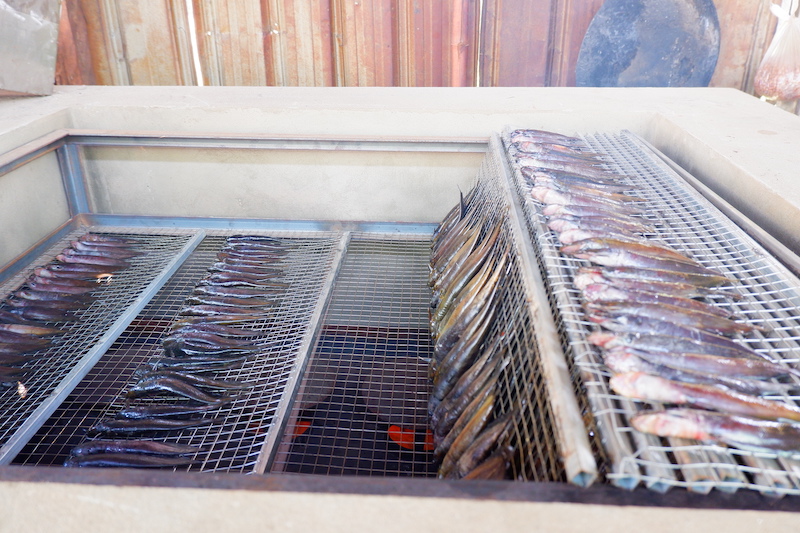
column 361, row 408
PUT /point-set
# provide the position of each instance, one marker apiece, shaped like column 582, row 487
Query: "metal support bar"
column 261, row 224
column 228, row 141
column 71, row 164
column 281, row 419
column 32, row 424
column 579, row 462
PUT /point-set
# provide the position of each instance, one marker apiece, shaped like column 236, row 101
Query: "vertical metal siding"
column 230, row 41
column 298, row 43
column 516, row 37
column 414, row 43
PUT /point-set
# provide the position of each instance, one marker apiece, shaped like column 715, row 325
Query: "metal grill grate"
column 234, row 444
column 687, row 222
column 51, row 370
column 361, row 408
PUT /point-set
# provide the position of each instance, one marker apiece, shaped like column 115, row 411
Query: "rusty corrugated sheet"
column 231, row 41
column 464, row 42
column 571, row 19
column 360, row 42
column 746, row 29
column 363, row 42
column 421, row 43
column 136, row 42
column 298, row 43
column 105, row 45
column 155, row 41
column 515, row 42
column 74, row 60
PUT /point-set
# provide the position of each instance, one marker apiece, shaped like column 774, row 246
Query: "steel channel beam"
column 13, row 159
column 32, row 424
column 72, row 175
column 136, row 139
column 576, row 452
column 245, row 224
column 282, row 415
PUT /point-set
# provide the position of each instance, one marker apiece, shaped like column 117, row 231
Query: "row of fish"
column 469, row 266
column 666, row 335
column 52, row 295
column 216, row 331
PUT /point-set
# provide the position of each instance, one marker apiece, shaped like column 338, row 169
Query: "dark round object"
column 650, row 43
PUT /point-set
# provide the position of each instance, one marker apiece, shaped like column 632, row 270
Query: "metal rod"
column 576, row 451
column 69, row 160
column 283, row 414
column 32, row 424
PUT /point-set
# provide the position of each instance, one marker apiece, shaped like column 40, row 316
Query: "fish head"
column 683, row 423
column 620, row 360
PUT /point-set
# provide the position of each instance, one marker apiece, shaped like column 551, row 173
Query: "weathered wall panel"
column 105, row 46
column 571, row 19
column 515, row 43
column 423, row 35
column 230, row 41
column 74, row 59
column 298, row 43
column 126, row 42
column 411, row 43
column 363, row 36
column 155, row 41
column 746, row 29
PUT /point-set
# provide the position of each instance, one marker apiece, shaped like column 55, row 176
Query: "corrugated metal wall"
column 359, row 42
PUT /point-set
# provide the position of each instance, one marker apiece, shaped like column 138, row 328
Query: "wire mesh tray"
column 53, row 371
column 691, row 224
column 234, row 443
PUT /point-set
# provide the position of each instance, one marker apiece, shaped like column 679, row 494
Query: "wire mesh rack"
column 687, row 222
column 233, row 443
column 361, row 407
column 51, row 370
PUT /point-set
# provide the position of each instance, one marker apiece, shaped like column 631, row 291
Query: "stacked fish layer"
column 54, row 294
column 180, row 389
column 662, row 337
column 469, row 263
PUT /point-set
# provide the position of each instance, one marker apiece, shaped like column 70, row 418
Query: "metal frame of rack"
column 688, row 222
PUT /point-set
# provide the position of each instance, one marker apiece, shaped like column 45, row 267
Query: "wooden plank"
column 298, row 43
column 230, row 41
column 746, row 29
column 571, row 19
column 516, row 39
